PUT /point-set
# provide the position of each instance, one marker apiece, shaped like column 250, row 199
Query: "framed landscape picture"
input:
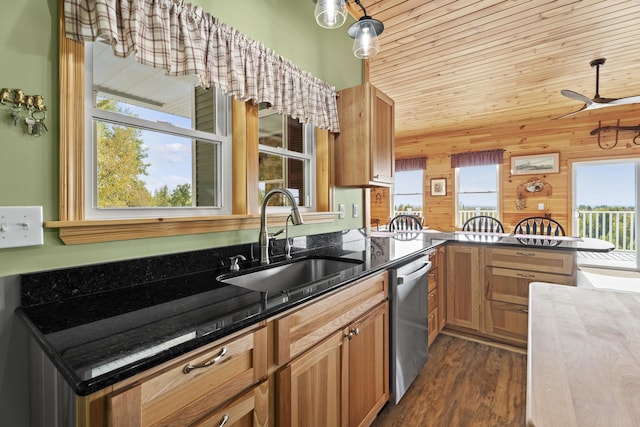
column 535, row 164
column 439, row 187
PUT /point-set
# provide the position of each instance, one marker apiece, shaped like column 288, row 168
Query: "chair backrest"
column 404, row 222
column 484, row 224
column 539, row 226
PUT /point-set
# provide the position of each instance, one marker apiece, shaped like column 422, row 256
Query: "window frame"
column 221, row 138
column 422, row 193
column 457, row 221
column 309, row 143
column 74, row 228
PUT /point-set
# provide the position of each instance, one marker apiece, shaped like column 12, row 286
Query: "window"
column 286, row 157
column 407, row 193
column 154, row 142
column 476, row 192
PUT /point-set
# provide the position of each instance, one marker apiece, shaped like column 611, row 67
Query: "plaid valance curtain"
column 477, row 158
column 414, row 164
column 182, row 39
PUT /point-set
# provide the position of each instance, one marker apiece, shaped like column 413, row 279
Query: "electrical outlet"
column 21, row 226
column 341, row 209
column 354, row 210
column 540, row 206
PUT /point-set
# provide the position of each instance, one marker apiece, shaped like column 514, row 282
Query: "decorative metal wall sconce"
column 27, row 109
column 534, row 185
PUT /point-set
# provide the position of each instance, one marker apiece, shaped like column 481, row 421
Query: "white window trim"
column 222, row 139
column 457, row 203
column 309, row 139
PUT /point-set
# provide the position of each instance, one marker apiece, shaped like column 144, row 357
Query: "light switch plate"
column 341, row 209
column 21, row 226
column 354, row 210
column 540, row 206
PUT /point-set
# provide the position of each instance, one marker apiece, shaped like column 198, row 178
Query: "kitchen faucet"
column 296, row 219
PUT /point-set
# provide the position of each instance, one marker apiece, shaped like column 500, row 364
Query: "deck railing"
column 465, row 214
column 617, row 227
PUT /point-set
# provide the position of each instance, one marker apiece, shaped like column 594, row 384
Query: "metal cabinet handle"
column 224, row 420
column 524, row 310
column 189, row 367
column 352, row 333
column 526, row 253
column 525, row 275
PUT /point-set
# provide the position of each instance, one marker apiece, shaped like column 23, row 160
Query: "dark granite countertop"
column 97, row 339
column 104, row 323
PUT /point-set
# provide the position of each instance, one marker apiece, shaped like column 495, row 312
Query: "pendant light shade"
column 364, row 32
column 365, row 37
column 330, row 13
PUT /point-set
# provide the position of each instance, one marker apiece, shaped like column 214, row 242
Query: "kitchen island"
column 583, row 360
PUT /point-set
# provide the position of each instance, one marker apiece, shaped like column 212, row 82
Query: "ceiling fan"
column 597, row 101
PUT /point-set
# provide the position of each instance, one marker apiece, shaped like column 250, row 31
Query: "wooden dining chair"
column 483, row 224
column 404, row 222
column 539, row 226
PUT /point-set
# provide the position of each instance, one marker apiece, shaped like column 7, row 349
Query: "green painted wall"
column 29, row 165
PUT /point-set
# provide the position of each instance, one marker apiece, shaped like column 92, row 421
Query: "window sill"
column 97, row 231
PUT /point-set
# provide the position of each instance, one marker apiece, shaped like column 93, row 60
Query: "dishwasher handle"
column 414, row 274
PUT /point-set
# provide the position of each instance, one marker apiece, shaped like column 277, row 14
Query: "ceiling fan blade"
column 584, row 107
column 627, row 100
column 575, row 95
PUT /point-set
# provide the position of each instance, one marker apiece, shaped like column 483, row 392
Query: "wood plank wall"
column 570, row 137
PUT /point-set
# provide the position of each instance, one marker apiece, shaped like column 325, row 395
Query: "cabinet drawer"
column 432, row 302
column 507, row 321
column 433, row 279
column 185, row 391
column 307, row 326
column 432, row 325
column 512, row 286
column 250, row 410
column 549, row 261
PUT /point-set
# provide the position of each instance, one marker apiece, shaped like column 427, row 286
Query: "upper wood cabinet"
column 364, row 148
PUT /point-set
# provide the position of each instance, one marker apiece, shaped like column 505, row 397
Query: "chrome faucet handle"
column 234, row 262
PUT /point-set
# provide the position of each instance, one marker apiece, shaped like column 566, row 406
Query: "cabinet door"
column 310, row 388
column 382, row 137
column 464, row 288
column 367, row 347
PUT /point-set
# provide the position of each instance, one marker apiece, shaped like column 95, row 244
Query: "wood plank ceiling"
column 462, row 64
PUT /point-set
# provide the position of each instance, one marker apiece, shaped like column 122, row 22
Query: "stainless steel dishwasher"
column 409, row 331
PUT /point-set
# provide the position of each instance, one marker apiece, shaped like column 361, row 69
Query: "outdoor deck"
column 613, row 259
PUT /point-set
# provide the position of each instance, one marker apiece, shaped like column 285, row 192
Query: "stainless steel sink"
column 291, row 274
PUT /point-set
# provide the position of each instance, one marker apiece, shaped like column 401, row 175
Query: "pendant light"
column 330, row 13
column 364, row 32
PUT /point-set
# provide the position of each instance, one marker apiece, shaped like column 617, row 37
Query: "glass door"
column 605, row 206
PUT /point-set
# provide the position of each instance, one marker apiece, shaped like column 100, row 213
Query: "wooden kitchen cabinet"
column 464, row 286
column 336, row 354
column 509, row 271
column 437, row 294
column 364, row 148
column 198, row 386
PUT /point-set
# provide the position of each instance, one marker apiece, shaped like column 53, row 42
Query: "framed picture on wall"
column 439, row 187
column 535, row 164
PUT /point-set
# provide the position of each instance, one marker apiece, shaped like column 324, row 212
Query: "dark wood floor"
column 464, row 383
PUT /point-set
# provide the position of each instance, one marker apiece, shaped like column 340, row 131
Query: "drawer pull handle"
column 525, row 275
column 189, row 367
column 526, row 253
column 224, row 420
column 352, row 332
column 524, row 310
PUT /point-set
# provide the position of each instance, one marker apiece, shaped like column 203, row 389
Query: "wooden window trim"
column 74, row 229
